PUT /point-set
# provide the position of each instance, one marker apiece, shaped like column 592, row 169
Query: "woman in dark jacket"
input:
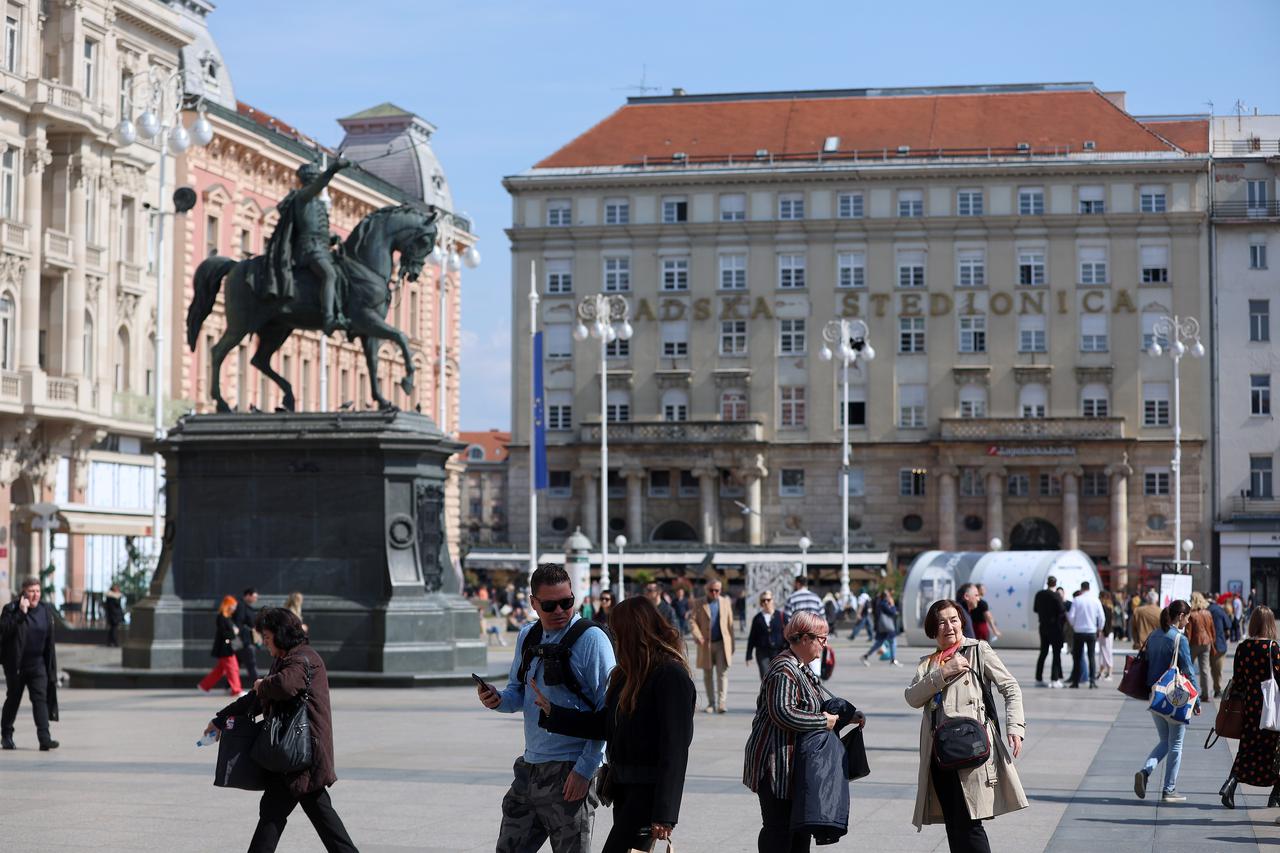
column 647, row 720
column 765, row 639
column 224, row 632
column 285, row 640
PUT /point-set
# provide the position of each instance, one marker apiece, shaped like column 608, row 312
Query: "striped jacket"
column 789, row 703
column 801, row 601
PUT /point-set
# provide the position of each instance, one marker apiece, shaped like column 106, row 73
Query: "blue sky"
column 507, row 83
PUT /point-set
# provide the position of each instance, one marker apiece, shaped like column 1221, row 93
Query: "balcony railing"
column 11, row 387
column 57, row 248
column 95, row 257
column 676, row 432
column 1246, row 210
column 61, row 391
column 1031, row 429
column 1245, row 147
column 47, row 92
column 1242, row 507
column 16, row 235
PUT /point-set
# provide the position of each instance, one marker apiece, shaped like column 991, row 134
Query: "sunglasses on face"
column 551, row 606
column 821, row 638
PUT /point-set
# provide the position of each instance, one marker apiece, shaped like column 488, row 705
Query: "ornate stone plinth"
column 347, row 509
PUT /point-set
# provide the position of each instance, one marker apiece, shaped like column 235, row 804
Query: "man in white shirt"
column 1087, row 620
column 862, row 616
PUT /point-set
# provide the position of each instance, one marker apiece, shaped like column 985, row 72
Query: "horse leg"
column 369, row 324
column 371, row 346
column 270, row 339
column 230, row 338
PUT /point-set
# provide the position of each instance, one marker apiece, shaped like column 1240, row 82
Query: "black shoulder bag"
column 960, row 743
column 284, row 743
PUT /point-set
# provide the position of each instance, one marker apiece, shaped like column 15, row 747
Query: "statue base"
column 346, row 508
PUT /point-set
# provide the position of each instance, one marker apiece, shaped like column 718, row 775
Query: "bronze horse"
column 367, row 262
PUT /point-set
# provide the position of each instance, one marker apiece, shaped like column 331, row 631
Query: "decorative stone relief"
column 126, row 304
column 12, row 268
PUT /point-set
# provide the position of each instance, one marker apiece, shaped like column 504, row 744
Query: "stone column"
column 1119, row 555
column 73, row 310
column 634, row 477
column 36, row 157
column 994, row 477
column 1070, row 507
column 752, row 476
column 590, row 507
column 708, row 488
column 947, row 508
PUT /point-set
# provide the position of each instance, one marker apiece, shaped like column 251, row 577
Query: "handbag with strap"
column 960, row 743
column 1173, row 696
column 650, row 847
column 284, row 743
column 235, row 767
column 1270, row 717
column 1134, row 681
column 1229, row 721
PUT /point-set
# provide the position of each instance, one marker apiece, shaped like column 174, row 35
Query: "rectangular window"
column 1151, row 199
column 911, row 268
column 675, row 407
column 210, row 236
column 1155, row 404
column 11, row 44
column 675, row 274
column 733, row 407
column 1018, row 485
column 617, row 348
column 1257, row 197
column 791, row 271
column 911, row 406
column 1155, row 482
column 688, row 485
column 851, row 269
column 910, row 334
column 971, row 485
column 91, row 212
column 733, row 207
column 1095, row 484
column 1093, row 333
column 1149, row 320
column 855, row 480
column 9, row 184
column 791, row 483
column 90, row 67
column 246, row 247
column 1259, row 320
column 733, row 272
column 617, row 211
column 733, row 337
column 1032, row 336
column 617, row 275
column 1031, row 268
column 1092, row 200
column 973, row 333
column 1257, row 255
column 675, row 209
column 969, row 203
column 659, row 484
column 1093, row 406
column 791, row 337
column 1260, row 477
column 849, row 206
column 153, row 223
column 559, row 484
column 558, row 341
column 729, row 485
column 1155, row 264
column 126, row 92
column 560, row 410
column 791, row 205
column 675, row 338
column 1031, row 201
column 559, row 276
column 911, row 482
column 857, row 411
column 972, row 271
column 1093, row 265
column 910, row 203
column 618, row 407
column 559, row 213
column 973, row 405
column 1260, row 393
column 1050, row 486
column 792, row 415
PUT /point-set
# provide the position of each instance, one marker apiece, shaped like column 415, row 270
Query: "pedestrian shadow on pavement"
column 1165, row 821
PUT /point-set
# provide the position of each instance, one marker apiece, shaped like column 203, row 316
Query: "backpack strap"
column 534, row 638
column 531, row 639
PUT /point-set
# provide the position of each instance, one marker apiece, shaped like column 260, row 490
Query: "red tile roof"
column 715, row 127
column 1188, row 134
column 269, row 121
column 494, row 443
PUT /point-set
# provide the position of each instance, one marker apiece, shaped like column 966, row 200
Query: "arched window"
column 1033, row 401
column 89, row 345
column 1095, row 401
column 973, row 401
column 475, row 453
column 675, row 405
column 121, row 365
column 8, row 329
column 733, row 405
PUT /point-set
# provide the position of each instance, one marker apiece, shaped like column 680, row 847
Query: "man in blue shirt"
column 552, row 796
column 1218, row 652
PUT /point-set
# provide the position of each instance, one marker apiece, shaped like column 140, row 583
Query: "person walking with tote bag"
column 1167, row 646
column 1257, row 664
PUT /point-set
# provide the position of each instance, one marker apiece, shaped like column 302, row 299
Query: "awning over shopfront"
column 519, row 560
column 104, row 523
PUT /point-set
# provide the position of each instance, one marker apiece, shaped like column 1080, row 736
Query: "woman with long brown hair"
column 1257, row 661
column 647, row 721
column 225, row 633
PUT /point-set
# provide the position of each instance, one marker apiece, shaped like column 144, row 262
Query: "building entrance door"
column 674, row 530
column 1034, row 534
column 1264, row 576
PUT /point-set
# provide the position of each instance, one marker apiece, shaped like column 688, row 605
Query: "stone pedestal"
column 347, row 509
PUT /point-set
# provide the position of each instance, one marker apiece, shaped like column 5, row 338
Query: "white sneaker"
column 897, row 663
column 866, row 662
column 203, row 690
column 1057, row 685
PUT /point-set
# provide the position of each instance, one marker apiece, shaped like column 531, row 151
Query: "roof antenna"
column 642, row 87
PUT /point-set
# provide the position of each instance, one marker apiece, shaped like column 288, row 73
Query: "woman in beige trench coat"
column 962, row 799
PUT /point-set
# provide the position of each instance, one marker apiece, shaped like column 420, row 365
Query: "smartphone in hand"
column 484, row 685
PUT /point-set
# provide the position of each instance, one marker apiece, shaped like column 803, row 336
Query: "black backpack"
column 555, row 658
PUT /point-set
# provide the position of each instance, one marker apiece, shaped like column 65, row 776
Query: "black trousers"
column 632, row 817
column 775, row 833
column 1050, row 639
column 1077, row 649
column 113, row 634
column 274, row 810
column 964, row 834
column 35, row 680
column 248, row 656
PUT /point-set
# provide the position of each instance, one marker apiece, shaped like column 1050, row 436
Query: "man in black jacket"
column 1050, row 608
column 27, row 654
column 653, row 592
column 244, row 617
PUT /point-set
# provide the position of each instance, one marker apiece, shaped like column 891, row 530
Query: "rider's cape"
column 270, row 275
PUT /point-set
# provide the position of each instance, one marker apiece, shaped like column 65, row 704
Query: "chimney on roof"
column 678, row 92
column 1116, row 98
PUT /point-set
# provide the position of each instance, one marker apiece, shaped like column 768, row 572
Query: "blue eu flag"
column 539, row 418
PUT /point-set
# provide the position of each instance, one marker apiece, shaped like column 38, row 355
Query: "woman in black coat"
column 765, row 639
column 225, row 632
column 647, row 721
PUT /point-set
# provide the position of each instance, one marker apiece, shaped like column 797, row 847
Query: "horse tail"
column 208, row 282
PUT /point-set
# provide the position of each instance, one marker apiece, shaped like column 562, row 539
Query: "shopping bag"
column 1173, row 696
column 1270, row 718
column 652, row 846
column 1134, row 681
column 236, row 768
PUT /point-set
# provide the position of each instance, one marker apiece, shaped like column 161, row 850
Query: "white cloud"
column 486, row 376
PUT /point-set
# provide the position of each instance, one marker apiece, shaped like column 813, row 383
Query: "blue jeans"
column 864, row 622
column 890, row 640
column 1169, row 748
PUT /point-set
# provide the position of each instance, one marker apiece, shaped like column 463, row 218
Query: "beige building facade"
column 1009, row 249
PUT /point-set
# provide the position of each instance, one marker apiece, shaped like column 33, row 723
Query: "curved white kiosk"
column 1012, row 579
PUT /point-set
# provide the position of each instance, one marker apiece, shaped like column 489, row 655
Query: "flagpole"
column 534, row 366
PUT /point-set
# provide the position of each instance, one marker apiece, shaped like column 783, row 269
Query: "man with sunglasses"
column 712, row 630
column 552, row 796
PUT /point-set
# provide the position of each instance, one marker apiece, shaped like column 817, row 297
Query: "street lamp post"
column 1181, row 335
column 850, row 340
column 604, row 316
column 163, row 99
column 805, row 544
column 621, row 542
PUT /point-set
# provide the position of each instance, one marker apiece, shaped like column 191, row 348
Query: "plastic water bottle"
column 210, row 738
